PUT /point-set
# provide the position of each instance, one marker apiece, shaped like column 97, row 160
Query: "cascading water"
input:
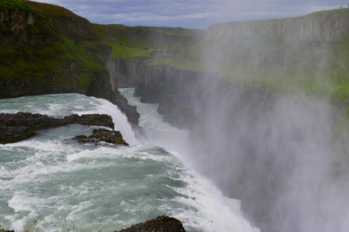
column 52, row 183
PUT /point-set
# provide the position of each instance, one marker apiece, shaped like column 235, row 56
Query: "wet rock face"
column 159, row 224
column 20, row 126
column 103, row 135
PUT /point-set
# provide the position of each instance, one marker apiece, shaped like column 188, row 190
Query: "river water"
column 52, row 183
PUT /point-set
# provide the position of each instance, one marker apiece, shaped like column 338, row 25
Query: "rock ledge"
column 102, row 135
column 20, row 126
column 159, row 224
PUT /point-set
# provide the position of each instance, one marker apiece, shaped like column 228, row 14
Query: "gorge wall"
column 319, row 26
column 271, row 150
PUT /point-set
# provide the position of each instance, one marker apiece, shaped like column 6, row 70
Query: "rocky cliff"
column 128, row 71
column 319, row 26
column 174, row 90
column 46, row 49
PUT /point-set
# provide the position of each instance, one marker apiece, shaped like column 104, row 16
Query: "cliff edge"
column 331, row 25
column 47, row 49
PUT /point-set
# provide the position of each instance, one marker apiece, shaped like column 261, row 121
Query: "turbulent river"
column 52, row 183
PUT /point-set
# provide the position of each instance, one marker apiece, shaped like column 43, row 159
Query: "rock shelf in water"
column 159, row 224
column 102, row 135
column 20, row 126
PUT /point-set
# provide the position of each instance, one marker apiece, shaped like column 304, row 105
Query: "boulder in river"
column 102, row 135
column 159, row 224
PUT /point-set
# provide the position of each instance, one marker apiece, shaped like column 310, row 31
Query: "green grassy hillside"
column 147, row 41
column 38, row 53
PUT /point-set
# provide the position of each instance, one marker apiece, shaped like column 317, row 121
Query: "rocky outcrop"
column 102, row 137
column 325, row 26
column 20, row 126
column 159, row 224
column 20, row 25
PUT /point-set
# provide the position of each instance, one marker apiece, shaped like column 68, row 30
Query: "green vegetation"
column 15, row 3
column 41, row 61
column 122, row 47
column 329, row 13
column 146, row 41
column 49, row 9
column 174, row 30
column 48, row 58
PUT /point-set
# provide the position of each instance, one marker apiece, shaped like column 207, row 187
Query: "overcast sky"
column 190, row 13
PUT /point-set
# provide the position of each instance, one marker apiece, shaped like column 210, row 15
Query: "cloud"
column 189, row 13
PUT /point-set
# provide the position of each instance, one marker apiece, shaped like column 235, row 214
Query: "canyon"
column 235, row 73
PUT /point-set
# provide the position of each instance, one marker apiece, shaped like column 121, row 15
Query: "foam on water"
column 66, row 186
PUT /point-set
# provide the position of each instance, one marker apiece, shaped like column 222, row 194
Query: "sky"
column 190, row 13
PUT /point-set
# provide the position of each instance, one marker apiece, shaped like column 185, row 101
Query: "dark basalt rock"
column 39, row 121
column 102, row 135
column 13, row 134
column 90, row 119
column 159, row 224
column 20, row 126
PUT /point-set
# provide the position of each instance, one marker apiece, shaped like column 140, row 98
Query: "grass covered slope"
column 149, row 42
column 42, row 50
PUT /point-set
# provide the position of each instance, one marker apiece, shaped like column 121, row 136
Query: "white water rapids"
column 66, row 186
